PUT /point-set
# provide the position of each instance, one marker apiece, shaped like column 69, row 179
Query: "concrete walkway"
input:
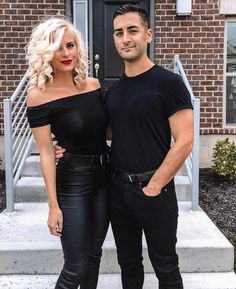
column 31, row 258
column 112, row 281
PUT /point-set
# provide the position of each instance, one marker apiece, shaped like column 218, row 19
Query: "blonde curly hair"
column 44, row 41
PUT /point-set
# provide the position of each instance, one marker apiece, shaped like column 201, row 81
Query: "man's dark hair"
column 126, row 8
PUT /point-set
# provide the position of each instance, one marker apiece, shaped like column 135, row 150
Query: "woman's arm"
column 44, row 141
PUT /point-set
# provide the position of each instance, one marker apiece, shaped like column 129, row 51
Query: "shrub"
column 224, row 158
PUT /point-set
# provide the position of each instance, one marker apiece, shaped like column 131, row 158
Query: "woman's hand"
column 55, row 221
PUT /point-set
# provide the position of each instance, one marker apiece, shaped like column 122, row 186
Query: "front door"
column 94, row 19
column 106, row 63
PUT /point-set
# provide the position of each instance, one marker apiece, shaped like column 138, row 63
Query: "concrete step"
column 106, row 281
column 32, row 189
column 32, row 167
column 34, row 148
column 183, row 188
column 26, row 247
column 182, row 171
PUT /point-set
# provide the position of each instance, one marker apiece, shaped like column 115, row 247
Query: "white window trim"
column 227, row 7
column 225, row 125
column 86, row 19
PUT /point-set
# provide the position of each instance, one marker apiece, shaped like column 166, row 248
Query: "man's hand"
column 58, row 152
column 151, row 191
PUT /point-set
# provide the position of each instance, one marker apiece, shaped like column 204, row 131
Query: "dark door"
column 105, row 58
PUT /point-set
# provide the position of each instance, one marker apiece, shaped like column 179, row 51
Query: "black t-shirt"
column 138, row 110
column 79, row 121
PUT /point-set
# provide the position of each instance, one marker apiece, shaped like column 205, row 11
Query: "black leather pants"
column 82, row 196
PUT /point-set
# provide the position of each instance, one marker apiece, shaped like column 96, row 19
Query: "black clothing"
column 79, row 121
column 132, row 212
column 138, row 110
column 82, row 197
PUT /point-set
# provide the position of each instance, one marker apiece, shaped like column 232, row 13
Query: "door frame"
column 70, row 15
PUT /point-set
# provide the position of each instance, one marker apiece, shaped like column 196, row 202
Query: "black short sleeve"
column 177, row 96
column 38, row 116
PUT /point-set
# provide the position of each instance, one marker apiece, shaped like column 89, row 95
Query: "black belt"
column 133, row 178
column 87, row 159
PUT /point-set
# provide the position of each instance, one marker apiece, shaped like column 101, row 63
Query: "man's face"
column 131, row 36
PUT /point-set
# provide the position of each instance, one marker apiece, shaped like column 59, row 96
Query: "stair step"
column 26, row 247
column 32, row 189
column 182, row 171
column 32, row 167
column 183, row 188
column 190, row 280
column 34, row 148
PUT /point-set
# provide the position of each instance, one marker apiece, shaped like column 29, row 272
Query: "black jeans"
column 82, row 197
column 131, row 213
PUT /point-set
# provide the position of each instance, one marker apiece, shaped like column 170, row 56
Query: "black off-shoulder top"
column 78, row 121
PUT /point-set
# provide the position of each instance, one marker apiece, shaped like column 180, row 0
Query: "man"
column 145, row 106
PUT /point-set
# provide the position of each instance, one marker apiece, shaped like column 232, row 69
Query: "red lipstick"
column 66, row 62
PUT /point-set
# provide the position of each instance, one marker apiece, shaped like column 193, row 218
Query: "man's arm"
column 181, row 125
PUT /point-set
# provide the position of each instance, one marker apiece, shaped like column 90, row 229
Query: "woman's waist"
column 85, row 159
column 84, row 148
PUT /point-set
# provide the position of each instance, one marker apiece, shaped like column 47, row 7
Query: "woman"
column 63, row 101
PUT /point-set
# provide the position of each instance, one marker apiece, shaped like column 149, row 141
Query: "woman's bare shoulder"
column 92, row 83
column 34, row 97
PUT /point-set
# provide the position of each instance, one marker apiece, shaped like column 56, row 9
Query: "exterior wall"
column 207, row 143
column 199, row 41
column 17, row 19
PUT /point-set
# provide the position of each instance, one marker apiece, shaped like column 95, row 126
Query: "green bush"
column 224, row 158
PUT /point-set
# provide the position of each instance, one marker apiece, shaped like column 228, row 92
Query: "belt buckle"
column 104, row 159
column 130, row 176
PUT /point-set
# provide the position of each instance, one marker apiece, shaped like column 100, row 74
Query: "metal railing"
column 192, row 162
column 17, row 138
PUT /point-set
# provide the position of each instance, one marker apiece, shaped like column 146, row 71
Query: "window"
column 80, row 18
column 230, row 75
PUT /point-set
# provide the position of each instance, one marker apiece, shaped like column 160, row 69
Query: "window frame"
column 225, row 75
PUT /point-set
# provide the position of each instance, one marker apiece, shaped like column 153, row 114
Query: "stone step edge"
column 190, row 280
column 108, row 245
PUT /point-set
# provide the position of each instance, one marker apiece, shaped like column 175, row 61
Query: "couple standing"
column 143, row 108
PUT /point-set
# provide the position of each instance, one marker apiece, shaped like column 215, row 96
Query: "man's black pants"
column 132, row 212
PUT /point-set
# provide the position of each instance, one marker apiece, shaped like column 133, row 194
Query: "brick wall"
column 199, row 41
column 16, row 21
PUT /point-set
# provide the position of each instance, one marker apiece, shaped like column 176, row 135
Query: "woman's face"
column 65, row 58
